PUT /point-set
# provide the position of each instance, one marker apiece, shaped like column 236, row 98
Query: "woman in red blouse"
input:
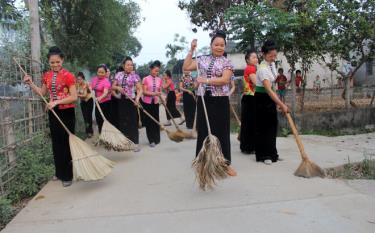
column 60, row 85
column 168, row 86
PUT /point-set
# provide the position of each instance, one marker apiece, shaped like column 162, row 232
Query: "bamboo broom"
column 112, row 138
column 171, row 135
column 210, row 164
column 307, row 168
column 179, row 132
column 237, row 119
column 87, row 164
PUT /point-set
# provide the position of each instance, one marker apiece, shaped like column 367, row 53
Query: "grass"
column 360, row 170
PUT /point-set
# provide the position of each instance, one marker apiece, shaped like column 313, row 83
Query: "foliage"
column 6, row 212
column 172, row 50
column 93, row 32
column 361, row 170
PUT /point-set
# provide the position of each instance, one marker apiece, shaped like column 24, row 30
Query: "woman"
column 152, row 85
column 215, row 74
column 60, row 85
column 266, row 100
column 187, row 85
column 102, row 86
column 87, row 103
column 168, row 86
column 247, row 133
column 127, row 82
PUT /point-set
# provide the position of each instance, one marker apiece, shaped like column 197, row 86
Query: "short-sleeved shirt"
column 187, row 83
column 219, row 65
column 248, row 85
column 99, row 85
column 266, row 71
column 58, row 84
column 152, row 84
column 128, row 82
column 317, row 83
column 170, row 86
column 298, row 81
column 281, row 81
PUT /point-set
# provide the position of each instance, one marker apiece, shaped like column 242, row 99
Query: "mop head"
column 309, row 169
column 190, row 135
column 174, row 136
column 112, row 139
column 87, row 164
column 210, row 164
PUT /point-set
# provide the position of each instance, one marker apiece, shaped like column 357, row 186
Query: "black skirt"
column 106, row 108
column 113, row 116
column 60, row 142
column 266, row 128
column 128, row 119
column 152, row 129
column 219, row 119
column 189, row 109
column 171, row 105
column 247, row 133
column 87, row 108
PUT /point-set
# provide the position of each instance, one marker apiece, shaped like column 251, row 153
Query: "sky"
column 162, row 20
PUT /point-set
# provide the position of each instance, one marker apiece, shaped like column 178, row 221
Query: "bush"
column 6, row 212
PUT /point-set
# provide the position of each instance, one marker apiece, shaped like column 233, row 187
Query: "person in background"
column 87, row 103
column 281, row 82
column 299, row 80
column 168, row 86
column 188, row 86
column 317, row 84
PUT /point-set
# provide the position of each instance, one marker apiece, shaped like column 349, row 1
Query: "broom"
column 307, row 168
column 210, row 163
column 87, row 163
column 112, row 138
column 179, row 132
column 171, row 135
column 237, row 119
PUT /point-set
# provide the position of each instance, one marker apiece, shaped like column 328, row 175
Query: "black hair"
column 225, row 54
column 248, row 53
column 54, row 50
column 268, row 46
column 127, row 58
column 280, row 70
column 102, row 66
column 155, row 64
column 80, row 74
column 168, row 73
column 219, row 34
column 119, row 69
column 298, row 71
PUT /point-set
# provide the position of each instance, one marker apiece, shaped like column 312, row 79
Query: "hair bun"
column 54, row 49
column 221, row 33
column 156, row 63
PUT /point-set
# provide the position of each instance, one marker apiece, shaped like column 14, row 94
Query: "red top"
column 170, row 86
column 249, row 86
column 281, row 81
column 64, row 79
column 298, row 81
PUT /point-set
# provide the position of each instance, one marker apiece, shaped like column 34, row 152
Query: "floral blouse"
column 128, row 82
column 187, row 83
column 218, row 64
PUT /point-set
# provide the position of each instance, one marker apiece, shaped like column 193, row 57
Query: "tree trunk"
column 304, row 83
column 346, row 94
column 35, row 35
column 294, row 93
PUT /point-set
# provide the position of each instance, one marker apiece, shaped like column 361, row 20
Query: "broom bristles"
column 112, row 138
column 308, row 169
column 210, row 164
column 87, row 164
column 174, row 136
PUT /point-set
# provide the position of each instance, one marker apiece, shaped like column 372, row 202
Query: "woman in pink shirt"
column 102, row 86
column 168, row 86
column 152, row 85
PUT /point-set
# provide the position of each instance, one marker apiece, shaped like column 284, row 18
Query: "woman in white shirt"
column 266, row 100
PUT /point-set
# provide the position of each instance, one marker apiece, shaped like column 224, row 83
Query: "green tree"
column 93, row 32
column 179, row 45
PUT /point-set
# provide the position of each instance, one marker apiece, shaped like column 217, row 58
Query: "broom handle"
column 143, row 110
column 169, row 113
column 139, row 117
column 100, row 109
column 44, row 99
column 297, row 137
column 235, row 114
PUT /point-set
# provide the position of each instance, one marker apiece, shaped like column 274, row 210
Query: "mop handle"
column 235, row 114
column 297, row 137
column 143, row 110
column 44, row 99
column 169, row 113
column 200, row 88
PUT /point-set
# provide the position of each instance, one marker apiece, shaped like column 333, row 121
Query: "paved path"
column 155, row 191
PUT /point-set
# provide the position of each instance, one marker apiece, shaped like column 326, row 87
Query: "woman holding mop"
column 215, row 75
column 188, row 86
column 128, row 83
column 266, row 100
column 152, row 86
column 60, row 85
column 102, row 87
column 168, row 86
column 87, row 103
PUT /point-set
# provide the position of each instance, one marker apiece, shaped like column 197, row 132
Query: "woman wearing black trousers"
column 188, row 86
column 168, row 86
column 60, row 85
column 87, row 103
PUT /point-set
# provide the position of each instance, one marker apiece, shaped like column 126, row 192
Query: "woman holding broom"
column 128, row 83
column 102, row 87
column 247, row 133
column 266, row 100
column 215, row 75
column 152, row 86
column 188, row 86
column 168, row 86
column 60, row 85
column 87, row 103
